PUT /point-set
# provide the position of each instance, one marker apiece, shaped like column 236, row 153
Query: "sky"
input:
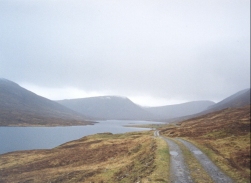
column 156, row 53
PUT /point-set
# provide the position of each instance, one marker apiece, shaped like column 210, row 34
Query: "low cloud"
column 167, row 50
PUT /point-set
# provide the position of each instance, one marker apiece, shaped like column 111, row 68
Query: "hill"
column 107, row 108
column 20, row 107
column 239, row 99
column 173, row 111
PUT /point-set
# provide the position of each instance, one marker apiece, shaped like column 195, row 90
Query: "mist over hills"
column 108, row 108
column 19, row 106
column 173, row 111
column 237, row 100
column 114, row 107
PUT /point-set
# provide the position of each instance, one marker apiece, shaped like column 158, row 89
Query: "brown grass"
column 224, row 136
column 162, row 161
column 98, row 158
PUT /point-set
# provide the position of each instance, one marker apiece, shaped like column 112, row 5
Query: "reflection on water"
column 26, row 138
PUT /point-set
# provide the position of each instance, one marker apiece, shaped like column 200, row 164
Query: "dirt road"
column 179, row 170
column 214, row 172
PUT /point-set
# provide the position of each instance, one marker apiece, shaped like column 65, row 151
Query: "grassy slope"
column 20, row 107
column 224, row 136
column 99, row 158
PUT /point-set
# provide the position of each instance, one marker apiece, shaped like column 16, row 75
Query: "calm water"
column 26, row 138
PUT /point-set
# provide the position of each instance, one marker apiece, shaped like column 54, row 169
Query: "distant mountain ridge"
column 107, row 108
column 237, row 100
column 114, row 107
column 177, row 110
column 19, row 106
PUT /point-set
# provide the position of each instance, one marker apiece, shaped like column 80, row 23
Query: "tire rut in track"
column 179, row 171
column 216, row 174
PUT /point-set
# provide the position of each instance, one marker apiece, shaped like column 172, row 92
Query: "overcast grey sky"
column 155, row 52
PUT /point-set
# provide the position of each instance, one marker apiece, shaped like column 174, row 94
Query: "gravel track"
column 216, row 174
column 179, row 171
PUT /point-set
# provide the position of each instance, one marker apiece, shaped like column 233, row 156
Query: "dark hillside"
column 239, row 99
column 19, row 106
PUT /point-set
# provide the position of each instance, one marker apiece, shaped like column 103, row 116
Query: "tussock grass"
column 222, row 151
column 224, row 136
column 162, row 162
column 129, row 157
